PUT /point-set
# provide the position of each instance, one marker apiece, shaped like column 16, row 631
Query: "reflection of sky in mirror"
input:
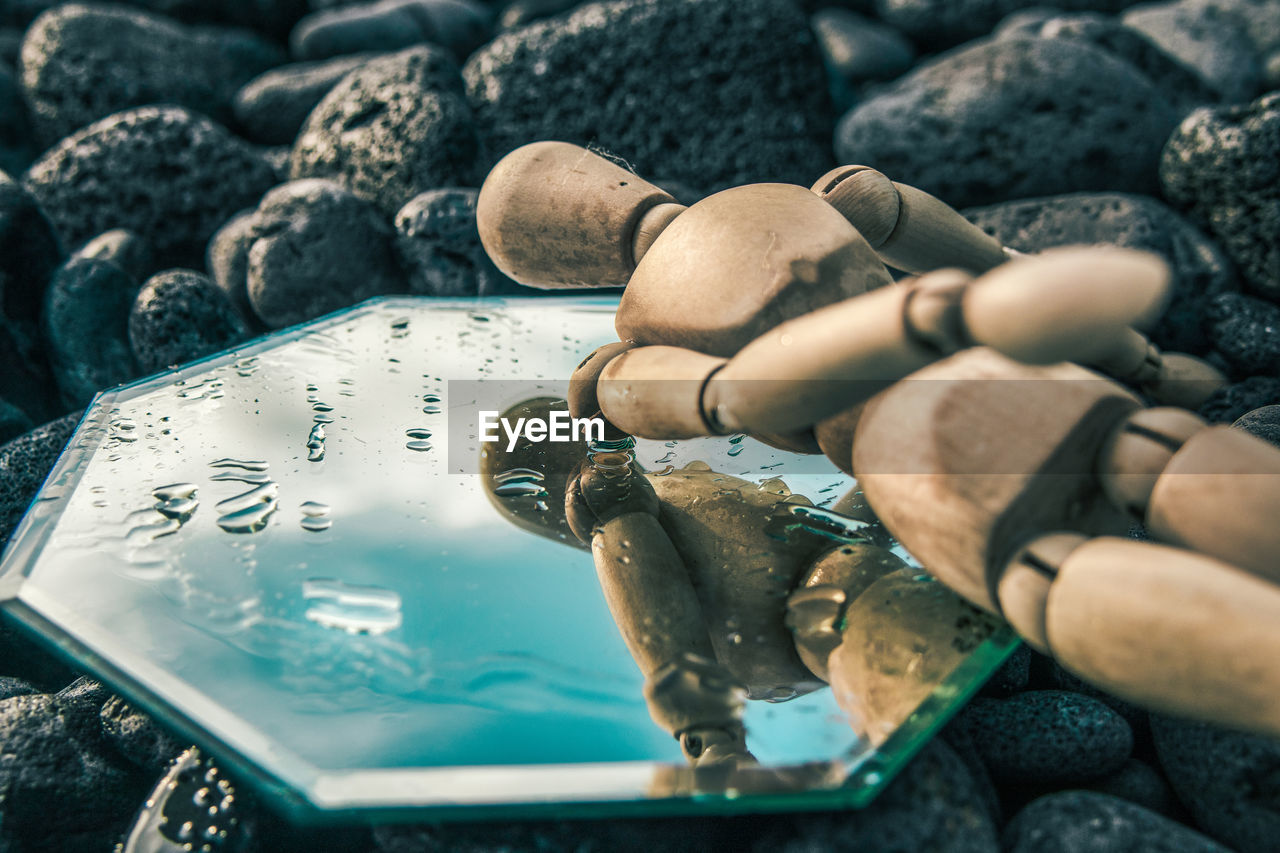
column 476, row 643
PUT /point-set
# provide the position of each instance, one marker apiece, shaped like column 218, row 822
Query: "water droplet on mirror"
column 316, row 524
column 314, row 508
column 418, row 432
column 248, row 520
column 172, row 491
column 350, row 607
column 418, row 445
column 248, row 465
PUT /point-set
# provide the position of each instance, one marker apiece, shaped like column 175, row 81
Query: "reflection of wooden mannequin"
column 725, row 590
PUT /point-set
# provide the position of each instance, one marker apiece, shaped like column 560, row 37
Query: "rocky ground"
column 180, row 175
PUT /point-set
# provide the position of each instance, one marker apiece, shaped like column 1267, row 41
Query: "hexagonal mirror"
column 300, row 555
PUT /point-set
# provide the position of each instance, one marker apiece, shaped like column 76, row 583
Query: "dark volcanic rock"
column 1013, row 118
column 1229, row 781
column 274, row 17
column 391, row 129
column 318, row 248
column 857, row 49
column 17, row 147
column 949, row 22
column 1046, row 737
column 86, row 321
column 228, row 260
column 439, row 246
column 1246, row 331
column 1139, row 783
column 1200, row 270
column 517, row 13
column 459, row 25
column 163, row 172
column 136, row 736
column 122, row 248
column 1182, row 86
column 13, row 421
column 83, row 62
column 24, row 463
column 10, row 687
column 1204, row 38
column 1014, row 675
column 273, row 106
column 708, row 92
column 1088, row 822
column 1224, row 165
column 181, row 315
column 1263, row 422
column 1244, row 396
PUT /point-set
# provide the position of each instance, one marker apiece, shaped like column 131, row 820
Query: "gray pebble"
column 1140, row 783
column 458, row 25
column 439, row 246
column 1013, row 676
column 1244, row 396
column 1216, row 45
column 24, row 463
column 517, row 13
column 86, row 321
column 1263, row 422
column 1223, row 165
column 712, row 93
column 137, row 736
column 163, row 172
column 1046, row 737
column 273, row 106
column 1200, row 269
column 10, row 687
column 83, row 62
column 973, row 126
column 1228, row 780
column 391, row 129
column 1246, row 331
column 181, row 315
column 318, row 248
column 857, row 49
column 1089, row 822
column 942, row 23
column 121, row 247
column 227, row 260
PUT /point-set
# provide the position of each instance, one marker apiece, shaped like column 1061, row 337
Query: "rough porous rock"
column 1184, row 87
column 24, row 463
column 1224, row 166
column 932, row 806
column 86, row 320
column 458, row 25
column 712, row 93
column 1013, row 118
column 1238, row 398
column 10, row 687
column 17, row 146
column 318, row 248
column 1013, row 675
column 163, row 172
column 1246, row 331
column 227, row 260
column 1213, row 43
column 181, row 315
column 13, row 421
column 1140, row 783
column 136, row 736
column 1200, row 270
column 83, row 62
column 393, row 128
column 121, row 247
column 939, row 23
column 1089, row 822
column 56, row 764
column 439, row 247
column 1229, row 781
column 1046, row 736
column 273, row 106
column 1263, row 422
column 1058, row 677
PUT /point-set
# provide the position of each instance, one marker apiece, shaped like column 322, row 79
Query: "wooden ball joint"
column 757, row 310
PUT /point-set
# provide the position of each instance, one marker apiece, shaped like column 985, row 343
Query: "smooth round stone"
column 163, row 172
column 1246, row 331
column 137, row 736
column 24, row 463
column 1263, row 422
column 439, row 246
column 1216, row 45
column 1226, row 779
column 1141, row 784
column 942, row 23
column 971, row 126
column 274, row 17
column 86, row 321
column 1089, row 822
column 228, row 260
column 1236, row 399
column 273, row 106
column 81, row 63
column 1200, row 269
column 1180, row 84
column 13, row 421
column 517, row 13
column 858, row 48
column 1223, row 165
column 391, row 129
column 712, row 93
column 1048, row 737
column 121, row 247
column 459, row 25
column 179, row 316
column 318, row 248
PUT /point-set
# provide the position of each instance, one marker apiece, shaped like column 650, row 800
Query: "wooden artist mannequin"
column 724, row 590
column 756, row 310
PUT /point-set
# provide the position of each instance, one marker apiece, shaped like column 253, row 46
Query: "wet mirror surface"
column 291, row 552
